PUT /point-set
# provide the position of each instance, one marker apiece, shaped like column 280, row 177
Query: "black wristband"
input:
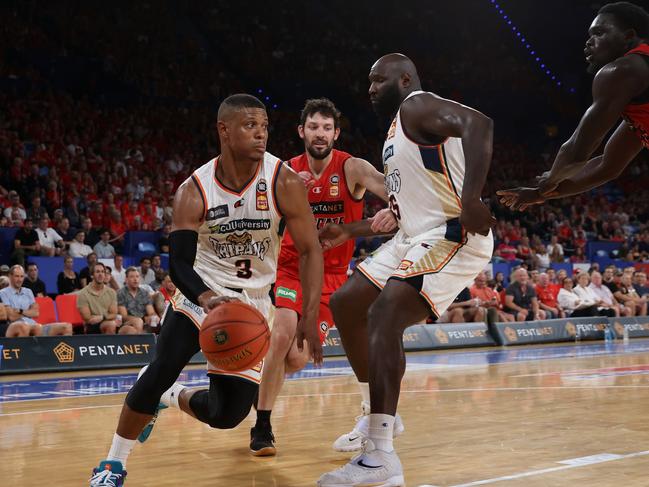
column 182, row 253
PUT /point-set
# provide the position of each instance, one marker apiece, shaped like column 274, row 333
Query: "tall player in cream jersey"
column 224, row 243
column 436, row 157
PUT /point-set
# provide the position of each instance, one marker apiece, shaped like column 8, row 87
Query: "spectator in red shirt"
column 547, row 294
column 506, row 251
column 524, row 251
column 564, row 231
column 488, row 298
column 117, row 229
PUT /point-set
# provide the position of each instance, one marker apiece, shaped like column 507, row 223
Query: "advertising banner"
column 457, row 335
column 77, row 352
column 637, row 327
column 563, row 330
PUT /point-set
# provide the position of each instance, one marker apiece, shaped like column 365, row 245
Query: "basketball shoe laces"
column 105, row 478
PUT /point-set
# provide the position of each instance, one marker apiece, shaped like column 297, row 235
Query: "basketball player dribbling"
column 436, row 157
column 336, row 183
column 617, row 50
column 224, row 244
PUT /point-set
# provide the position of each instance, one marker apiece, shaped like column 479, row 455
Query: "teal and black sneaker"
column 146, row 432
column 109, row 473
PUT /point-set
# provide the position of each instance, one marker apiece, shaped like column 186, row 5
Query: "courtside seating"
column 46, row 311
column 66, row 304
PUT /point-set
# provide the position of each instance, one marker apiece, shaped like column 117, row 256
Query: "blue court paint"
column 93, row 385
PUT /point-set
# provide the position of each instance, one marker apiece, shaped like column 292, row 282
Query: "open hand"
column 520, row 198
column 210, row 300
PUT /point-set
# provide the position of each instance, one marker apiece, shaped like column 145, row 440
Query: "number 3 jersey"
column 240, row 237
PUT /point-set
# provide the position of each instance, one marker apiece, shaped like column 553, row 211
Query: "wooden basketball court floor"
column 556, row 415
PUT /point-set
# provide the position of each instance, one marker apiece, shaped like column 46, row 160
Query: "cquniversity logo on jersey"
column 241, row 225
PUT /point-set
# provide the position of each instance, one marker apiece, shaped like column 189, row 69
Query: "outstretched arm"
column 614, row 86
column 333, row 234
column 294, row 205
column 620, row 150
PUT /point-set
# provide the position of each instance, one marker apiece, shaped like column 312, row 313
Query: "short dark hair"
column 629, row 16
column 30, row 264
column 145, row 258
column 131, row 269
column 94, row 266
column 239, row 101
column 323, row 106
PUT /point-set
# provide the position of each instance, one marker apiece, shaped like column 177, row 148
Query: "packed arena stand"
column 100, row 123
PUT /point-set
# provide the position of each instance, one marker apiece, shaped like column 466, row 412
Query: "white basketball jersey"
column 423, row 182
column 240, row 238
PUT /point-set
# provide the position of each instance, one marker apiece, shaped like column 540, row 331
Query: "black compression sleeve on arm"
column 182, row 253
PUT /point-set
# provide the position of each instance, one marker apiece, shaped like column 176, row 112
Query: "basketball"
column 234, row 336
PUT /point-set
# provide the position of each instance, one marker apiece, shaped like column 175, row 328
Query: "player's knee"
column 340, row 300
column 230, row 420
column 381, row 311
column 280, row 340
column 225, row 423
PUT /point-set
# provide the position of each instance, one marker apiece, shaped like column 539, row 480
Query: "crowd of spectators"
column 100, row 123
column 533, row 295
column 109, row 300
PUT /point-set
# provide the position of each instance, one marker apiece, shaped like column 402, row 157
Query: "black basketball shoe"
column 262, row 441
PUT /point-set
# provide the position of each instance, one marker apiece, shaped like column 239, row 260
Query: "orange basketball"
column 234, row 336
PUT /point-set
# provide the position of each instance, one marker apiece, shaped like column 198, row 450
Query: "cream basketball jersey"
column 423, row 182
column 240, row 237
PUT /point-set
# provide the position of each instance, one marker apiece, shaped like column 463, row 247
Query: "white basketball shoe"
column 372, row 467
column 353, row 440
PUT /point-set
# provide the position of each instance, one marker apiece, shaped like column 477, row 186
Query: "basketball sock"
column 171, row 395
column 381, row 431
column 263, row 418
column 365, row 394
column 120, row 449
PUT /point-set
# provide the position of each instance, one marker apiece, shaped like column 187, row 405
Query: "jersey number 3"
column 243, row 269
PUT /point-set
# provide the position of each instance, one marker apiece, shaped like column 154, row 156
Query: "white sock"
column 381, row 431
column 120, row 449
column 170, row 397
column 365, row 394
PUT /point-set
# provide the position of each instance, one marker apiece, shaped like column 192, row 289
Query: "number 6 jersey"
column 240, row 237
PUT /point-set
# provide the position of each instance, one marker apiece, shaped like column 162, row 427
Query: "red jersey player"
column 618, row 52
column 336, row 183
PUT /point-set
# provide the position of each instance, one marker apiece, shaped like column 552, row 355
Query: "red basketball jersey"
column 331, row 202
column 637, row 114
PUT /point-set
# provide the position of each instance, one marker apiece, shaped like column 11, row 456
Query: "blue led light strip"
column 266, row 98
column 530, row 49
